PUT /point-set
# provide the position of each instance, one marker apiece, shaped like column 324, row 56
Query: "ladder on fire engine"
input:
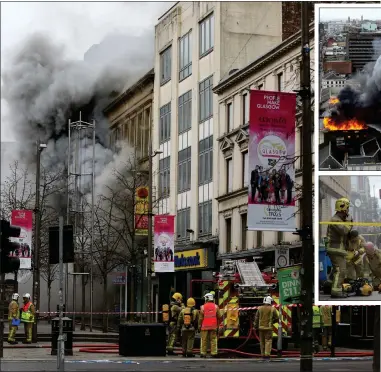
column 250, row 274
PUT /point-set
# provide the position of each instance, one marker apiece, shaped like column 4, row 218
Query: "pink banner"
column 164, row 240
column 271, row 161
column 24, row 220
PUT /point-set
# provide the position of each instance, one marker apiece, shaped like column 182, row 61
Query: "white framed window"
column 229, row 117
column 185, row 56
column 206, row 35
column 229, row 175
column 245, row 107
column 165, row 65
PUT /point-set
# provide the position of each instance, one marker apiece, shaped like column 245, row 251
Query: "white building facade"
column 197, row 45
column 278, row 70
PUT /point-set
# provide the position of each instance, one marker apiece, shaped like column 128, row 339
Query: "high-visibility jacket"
column 209, row 313
column 316, row 317
column 13, row 310
column 326, row 315
column 27, row 313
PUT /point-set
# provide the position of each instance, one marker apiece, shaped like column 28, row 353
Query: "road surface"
column 194, row 364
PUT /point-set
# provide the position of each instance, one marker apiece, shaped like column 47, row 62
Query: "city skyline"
column 342, row 14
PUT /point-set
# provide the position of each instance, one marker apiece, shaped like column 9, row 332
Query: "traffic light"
column 8, row 264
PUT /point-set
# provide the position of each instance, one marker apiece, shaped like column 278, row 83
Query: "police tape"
column 160, row 312
column 375, row 224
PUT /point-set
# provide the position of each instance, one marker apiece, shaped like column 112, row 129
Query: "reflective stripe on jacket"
column 316, row 317
column 209, row 321
column 27, row 315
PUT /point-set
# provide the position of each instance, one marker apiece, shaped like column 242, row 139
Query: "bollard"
column 68, row 335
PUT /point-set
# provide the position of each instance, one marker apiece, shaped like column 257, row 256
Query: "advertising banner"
column 164, row 240
column 271, row 161
column 289, row 284
column 141, row 211
column 118, row 278
column 24, row 220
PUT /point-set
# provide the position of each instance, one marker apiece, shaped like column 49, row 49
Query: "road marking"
column 339, row 370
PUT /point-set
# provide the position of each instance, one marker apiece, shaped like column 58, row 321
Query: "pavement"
column 168, row 364
column 374, row 297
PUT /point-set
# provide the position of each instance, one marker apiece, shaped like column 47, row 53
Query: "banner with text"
column 24, row 220
column 271, row 161
column 164, row 240
column 141, row 211
column 289, row 284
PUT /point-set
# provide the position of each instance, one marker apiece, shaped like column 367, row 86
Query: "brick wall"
column 340, row 67
column 291, row 17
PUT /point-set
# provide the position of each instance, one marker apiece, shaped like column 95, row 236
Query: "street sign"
column 289, row 284
column 118, row 278
column 282, row 257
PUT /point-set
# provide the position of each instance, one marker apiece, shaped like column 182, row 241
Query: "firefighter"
column 355, row 267
column 326, row 319
column 27, row 317
column 373, row 256
column 176, row 307
column 208, row 323
column 336, row 246
column 188, row 323
column 14, row 318
column 316, row 326
column 265, row 318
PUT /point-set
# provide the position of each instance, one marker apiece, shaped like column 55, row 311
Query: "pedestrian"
column 208, row 325
column 265, row 318
column 176, row 307
column 336, row 246
column 13, row 318
column 316, row 326
column 326, row 318
column 28, row 314
column 188, row 324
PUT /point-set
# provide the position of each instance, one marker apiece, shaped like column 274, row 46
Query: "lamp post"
column 151, row 155
column 36, row 251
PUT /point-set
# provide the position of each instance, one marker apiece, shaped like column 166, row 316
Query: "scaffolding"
column 81, row 188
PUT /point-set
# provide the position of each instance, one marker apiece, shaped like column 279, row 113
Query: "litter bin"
column 67, row 332
column 139, row 339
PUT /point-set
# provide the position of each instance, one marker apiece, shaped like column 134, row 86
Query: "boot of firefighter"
column 324, row 342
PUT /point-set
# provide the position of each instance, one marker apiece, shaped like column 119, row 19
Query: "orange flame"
column 352, row 124
column 333, row 101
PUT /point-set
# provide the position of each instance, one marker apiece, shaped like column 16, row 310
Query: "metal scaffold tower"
column 80, row 203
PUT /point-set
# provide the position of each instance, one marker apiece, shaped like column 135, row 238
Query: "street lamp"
column 151, row 155
column 36, row 251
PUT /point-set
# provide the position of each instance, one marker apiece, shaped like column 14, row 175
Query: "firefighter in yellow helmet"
column 208, row 323
column 27, row 317
column 265, row 318
column 316, row 326
column 326, row 319
column 188, row 323
column 13, row 318
column 373, row 256
column 355, row 267
column 176, row 307
column 336, row 246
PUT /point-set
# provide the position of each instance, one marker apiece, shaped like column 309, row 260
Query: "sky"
column 335, row 14
column 376, row 182
column 76, row 25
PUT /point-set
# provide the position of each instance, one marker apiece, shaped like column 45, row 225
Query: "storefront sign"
column 289, row 284
column 194, row 259
column 141, row 210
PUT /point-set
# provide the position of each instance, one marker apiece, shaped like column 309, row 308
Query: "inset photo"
column 349, row 238
column 349, row 87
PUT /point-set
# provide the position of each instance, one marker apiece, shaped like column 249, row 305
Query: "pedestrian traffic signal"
column 8, row 264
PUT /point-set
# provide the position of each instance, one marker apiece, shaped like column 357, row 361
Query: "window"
column 165, row 65
column 185, row 59
column 229, row 116
column 245, row 169
column 279, row 237
column 164, row 177
column 184, row 175
column 165, row 123
column 244, row 232
column 245, row 108
column 205, row 218
column 206, row 35
column 229, row 175
column 259, row 239
column 206, row 99
column 280, row 81
column 205, row 161
column 228, row 223
column 183, row 223
column 260, row 87
column 185, row 112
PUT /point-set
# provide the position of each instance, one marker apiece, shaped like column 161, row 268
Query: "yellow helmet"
column 191, row 302
column 342, row 205
column 177, row 296
column 366, row 289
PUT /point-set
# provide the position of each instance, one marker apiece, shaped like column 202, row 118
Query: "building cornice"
column 234, row 194
column 149, row 77
column 275, row 53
